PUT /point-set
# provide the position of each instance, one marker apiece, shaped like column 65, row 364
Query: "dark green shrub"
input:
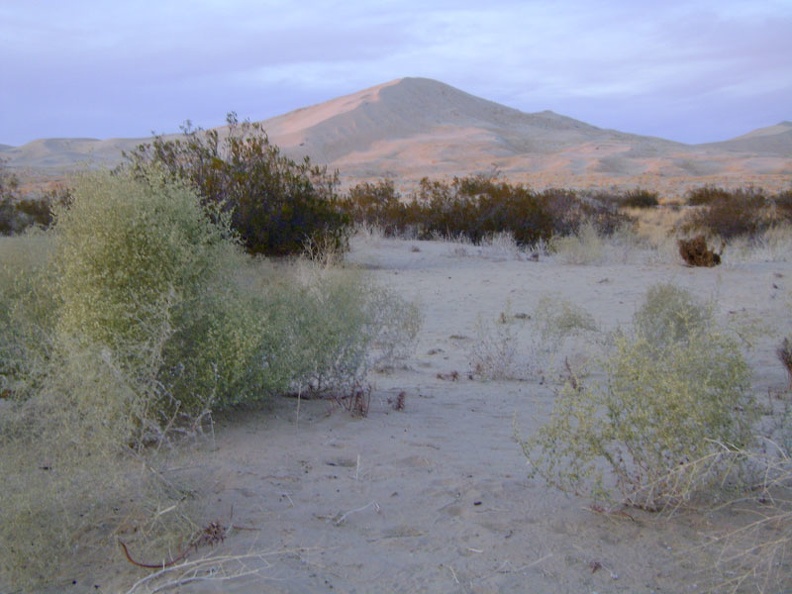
column 376, row 204
column 571, row 211
column 478, row 207
column 276, row 204
column 706, row 195
column 640, row 198
column 735, row 213
column 9, row 194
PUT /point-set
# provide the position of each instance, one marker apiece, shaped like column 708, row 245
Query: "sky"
column 687, row 70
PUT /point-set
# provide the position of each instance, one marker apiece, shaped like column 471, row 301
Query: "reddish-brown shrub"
column 696, row 253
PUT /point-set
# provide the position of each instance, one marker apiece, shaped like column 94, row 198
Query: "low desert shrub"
column 143, row 272
column 555, row 318
column 674, row 404
column 28, row 309
column 671, row 315
column 497, row 351
column 729, row 214
column 474, row 208
column 517, row 346
column 342, row 327
column 640, row 198
column 71, row 483
column 585, row 246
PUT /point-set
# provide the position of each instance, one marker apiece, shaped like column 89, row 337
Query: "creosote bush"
column 674, row 405
column 746, row 212
column 274, row 203
column 477, row 207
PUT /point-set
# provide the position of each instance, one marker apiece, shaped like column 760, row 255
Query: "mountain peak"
column 413, row 127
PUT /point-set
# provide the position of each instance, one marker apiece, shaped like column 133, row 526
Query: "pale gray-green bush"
column 671, row 315
column 514, row 347
column 657, row 431
column 556, row 318
column 27, row 313
column 72, row 485
column 344, row 326
column 145, row 273
column 497, row 353
column 586, row 246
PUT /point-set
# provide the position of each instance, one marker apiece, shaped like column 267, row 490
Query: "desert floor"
column 437, row 497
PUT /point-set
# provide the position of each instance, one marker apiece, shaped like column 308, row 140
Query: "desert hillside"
column 414, row 127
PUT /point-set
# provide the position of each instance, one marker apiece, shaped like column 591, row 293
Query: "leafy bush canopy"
column 276, row 204
column 478, row 207
column 675, row 399
column 745, row 212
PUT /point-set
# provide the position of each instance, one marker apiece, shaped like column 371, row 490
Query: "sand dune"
column 415, row 127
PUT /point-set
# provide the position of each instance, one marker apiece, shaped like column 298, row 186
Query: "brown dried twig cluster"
column 213, row 534
column 696, row 253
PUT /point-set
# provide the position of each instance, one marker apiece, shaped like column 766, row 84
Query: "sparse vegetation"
column 496, row 352
column 674, row 406
column 133, row 320
column 138, row 316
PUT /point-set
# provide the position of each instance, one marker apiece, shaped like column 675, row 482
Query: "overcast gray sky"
column 686, row 70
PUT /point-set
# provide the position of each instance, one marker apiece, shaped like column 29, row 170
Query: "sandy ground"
column 436, row 498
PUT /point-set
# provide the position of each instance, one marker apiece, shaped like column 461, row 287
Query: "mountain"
column 773, row 140
column 414, row 127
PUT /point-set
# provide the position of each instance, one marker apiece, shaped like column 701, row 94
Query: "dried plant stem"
column 207, row 569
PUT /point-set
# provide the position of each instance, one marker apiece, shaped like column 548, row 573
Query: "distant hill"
column 773, row 140
column 415, row 127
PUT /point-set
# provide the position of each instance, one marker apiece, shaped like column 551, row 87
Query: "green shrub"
column 343, row 327
column 28, row 308
column 674, row 404
column 143, row 272
column 557, row 318
column 671, row 315
column 585, row 246
column 275, row 203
